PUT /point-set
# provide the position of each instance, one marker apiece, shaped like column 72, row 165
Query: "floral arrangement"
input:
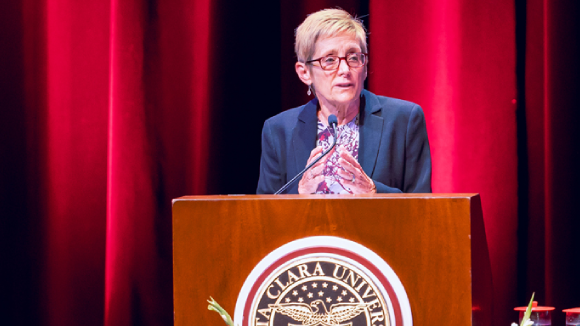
column 526, row 320
column 213, row 305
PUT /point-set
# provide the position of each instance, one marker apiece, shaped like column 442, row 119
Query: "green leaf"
column 528, row 312
column 213, row 305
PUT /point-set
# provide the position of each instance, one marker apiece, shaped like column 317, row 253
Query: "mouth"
column 344, row 85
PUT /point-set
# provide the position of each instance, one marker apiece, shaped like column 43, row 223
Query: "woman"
column 382, row 144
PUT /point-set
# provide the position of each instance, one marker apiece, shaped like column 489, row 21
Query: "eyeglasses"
column 331, row 62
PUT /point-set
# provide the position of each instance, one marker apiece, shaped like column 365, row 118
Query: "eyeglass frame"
column 319, row 60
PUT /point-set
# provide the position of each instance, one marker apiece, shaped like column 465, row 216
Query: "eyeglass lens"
column 353, row 60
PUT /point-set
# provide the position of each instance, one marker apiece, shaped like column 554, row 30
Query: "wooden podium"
column 435, row 244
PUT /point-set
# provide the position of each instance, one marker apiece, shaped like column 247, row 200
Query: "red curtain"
column 456, row 59
column 73, row 144
column 113, row 121
column 111, row 109
column 158, row 137
column 552, row 82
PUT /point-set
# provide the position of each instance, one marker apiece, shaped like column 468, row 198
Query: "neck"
column 344, row 113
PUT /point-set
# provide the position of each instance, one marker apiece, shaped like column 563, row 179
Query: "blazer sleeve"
column 384, row 189
column 416, row 158
column 417, row 177
column 270, row 175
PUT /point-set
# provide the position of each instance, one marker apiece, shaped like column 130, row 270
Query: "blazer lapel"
column 304, row 136
column 371, row 130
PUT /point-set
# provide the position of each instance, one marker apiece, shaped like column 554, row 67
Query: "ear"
column 303, row 73
column 366, row 68
column 366, row 71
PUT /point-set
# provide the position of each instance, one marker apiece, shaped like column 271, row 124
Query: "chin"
column 345, row 98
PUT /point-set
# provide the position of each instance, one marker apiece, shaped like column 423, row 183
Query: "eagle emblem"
column 310, row 315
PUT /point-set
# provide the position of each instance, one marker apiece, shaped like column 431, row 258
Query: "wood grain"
column 217, row 241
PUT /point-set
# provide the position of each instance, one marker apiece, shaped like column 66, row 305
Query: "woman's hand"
column 353, row 175
column 313, row 176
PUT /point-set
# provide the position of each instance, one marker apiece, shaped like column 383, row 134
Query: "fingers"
column 345, row 155
column 313, row 176
column 317, row 168
column 352, row 174
column 314, row 154
column 346, row 175
column 309, row 183
column 349, row 163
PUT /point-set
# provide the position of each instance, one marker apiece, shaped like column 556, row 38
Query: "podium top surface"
column 321, row 197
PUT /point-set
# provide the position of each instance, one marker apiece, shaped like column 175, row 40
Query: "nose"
column 343, row 67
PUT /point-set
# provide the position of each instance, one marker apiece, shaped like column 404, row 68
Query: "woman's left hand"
column 353, row 175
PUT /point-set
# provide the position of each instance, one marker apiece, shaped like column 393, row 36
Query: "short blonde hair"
column 325, row 23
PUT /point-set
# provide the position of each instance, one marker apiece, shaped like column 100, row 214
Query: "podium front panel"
column 425, row 239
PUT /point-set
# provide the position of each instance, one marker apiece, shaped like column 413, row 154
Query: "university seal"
column 326, row 281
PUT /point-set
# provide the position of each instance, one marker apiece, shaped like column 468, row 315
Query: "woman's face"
column 343, row 85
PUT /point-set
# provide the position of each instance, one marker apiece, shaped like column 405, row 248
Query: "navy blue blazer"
column 393, row 145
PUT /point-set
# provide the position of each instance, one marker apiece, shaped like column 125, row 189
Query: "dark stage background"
column 109, row 109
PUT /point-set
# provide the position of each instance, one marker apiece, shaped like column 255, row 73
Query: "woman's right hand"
column 313, row 176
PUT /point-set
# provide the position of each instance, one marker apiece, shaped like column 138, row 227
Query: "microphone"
column 332, row 122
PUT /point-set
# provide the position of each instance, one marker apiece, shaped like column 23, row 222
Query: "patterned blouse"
column 348, row 137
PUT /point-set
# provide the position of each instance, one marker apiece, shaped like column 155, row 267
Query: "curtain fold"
column 74, row 165
column 552, row 82
column 20, row 232
column 158, row 136
column 456, row 59
column 131, row 207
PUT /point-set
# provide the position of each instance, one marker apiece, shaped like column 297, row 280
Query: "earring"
column 309, row 90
